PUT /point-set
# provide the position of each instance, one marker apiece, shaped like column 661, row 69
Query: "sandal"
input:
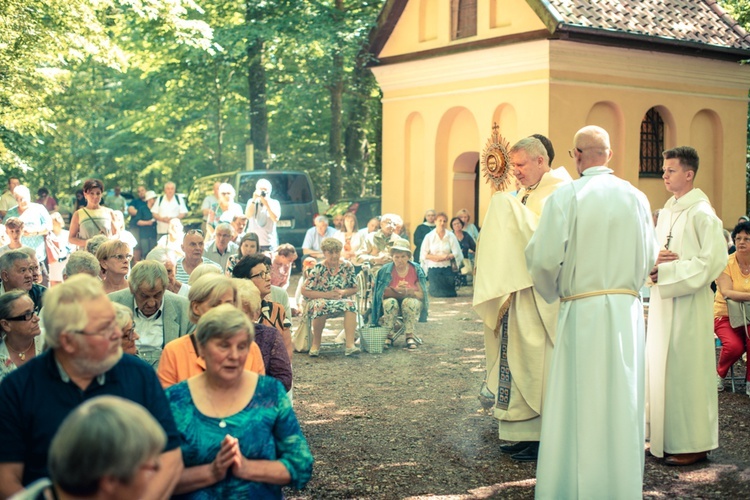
column 411, row 343
column 388, row 343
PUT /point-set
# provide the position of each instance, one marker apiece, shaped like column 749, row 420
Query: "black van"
column 292, row 189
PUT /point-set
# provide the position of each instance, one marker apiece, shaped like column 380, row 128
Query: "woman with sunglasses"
column 20, row 340
column 114, row 257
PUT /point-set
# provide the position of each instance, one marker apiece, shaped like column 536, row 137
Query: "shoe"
column 314, row 353
column 682, row 459
column 388, row 343
column 530, row 454
column 411, row 343
column 351, row 350
column 719, row 383
column 510, row 449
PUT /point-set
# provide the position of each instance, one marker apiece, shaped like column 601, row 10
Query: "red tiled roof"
column 697, row 21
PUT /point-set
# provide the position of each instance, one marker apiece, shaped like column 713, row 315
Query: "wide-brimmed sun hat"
column 400, row 245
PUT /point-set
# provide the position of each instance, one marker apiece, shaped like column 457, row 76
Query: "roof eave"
column 649, row 42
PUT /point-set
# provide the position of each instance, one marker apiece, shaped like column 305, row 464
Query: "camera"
column 263, row 194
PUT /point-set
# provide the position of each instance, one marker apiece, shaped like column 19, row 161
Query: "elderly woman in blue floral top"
column 330, row 289
column 240, row 436
column 400, row 289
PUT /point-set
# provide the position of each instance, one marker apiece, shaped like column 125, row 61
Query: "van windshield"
column 287, row 187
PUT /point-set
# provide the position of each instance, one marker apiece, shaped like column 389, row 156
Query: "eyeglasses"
column 22, row 317
column 739, row 239
column 194, row 231
column 120, row 256
column 106, row 332
column 572, row 154
column 262, row 274
column 128, row 334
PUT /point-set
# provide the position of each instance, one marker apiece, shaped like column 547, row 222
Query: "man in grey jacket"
column 159, row 316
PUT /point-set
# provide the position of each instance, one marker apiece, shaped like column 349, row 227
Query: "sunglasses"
column 194, row 231
column 22, row 317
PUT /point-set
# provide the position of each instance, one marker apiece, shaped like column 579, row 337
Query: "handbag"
column 466, row 267
column 372, row 338
column 302, row 337
column 55, row 253
column 739, row 314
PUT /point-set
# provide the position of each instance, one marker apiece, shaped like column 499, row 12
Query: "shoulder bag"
column 739, row 313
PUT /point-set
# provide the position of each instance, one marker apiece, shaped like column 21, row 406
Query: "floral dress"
column 321, row 279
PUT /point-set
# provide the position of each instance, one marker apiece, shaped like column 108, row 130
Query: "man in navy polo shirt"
column 85, row 360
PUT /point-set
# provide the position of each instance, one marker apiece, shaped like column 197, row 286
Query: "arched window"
column 652, row 144
column 463, row 18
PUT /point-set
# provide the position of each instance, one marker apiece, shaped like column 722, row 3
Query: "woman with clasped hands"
column 240, row 436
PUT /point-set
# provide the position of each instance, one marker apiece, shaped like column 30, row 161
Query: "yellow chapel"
column 654, row 73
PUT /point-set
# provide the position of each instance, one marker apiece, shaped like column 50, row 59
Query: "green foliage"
column 145, row 91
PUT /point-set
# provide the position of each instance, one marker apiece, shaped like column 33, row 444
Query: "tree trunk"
column 336, row 132
column 256, row 78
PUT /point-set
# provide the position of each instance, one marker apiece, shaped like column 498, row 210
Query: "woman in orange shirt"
column 179, row 360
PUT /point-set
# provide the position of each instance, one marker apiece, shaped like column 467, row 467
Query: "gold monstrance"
column 496, row 165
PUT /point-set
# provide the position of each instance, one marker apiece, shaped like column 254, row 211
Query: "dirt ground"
column 408, row 424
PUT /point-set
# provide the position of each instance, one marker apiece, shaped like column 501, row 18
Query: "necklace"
column 21, row 354
column 672, row 222
column 529, row 190
column 222, row 422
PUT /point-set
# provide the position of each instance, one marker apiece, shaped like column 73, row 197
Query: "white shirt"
column 150, row 329
column 168, row 208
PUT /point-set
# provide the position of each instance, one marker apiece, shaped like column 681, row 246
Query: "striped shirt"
column 182, row 276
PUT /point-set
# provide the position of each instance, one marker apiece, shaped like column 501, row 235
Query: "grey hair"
column 80, row 262
column 63, row 309
column 209, row 288
column 161, row 254
column 223, row 322
column 224, row 226
column 8, row 299
column 104, row 436
column 148, row 272
column 532, row 146
column 22, row 191
column 321, row 218
column 123, row 314
column 93, row 244
column 8, row 258
column 331, row 245
column 30, row 252
column 248, row 296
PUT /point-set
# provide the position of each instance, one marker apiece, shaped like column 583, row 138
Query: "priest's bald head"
column 591, row 148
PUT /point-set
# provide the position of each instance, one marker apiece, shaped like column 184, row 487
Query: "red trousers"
column 733, row 345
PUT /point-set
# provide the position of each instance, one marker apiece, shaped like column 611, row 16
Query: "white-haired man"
column 376, row 248
column 263, row 213
column 315, row 236
column 158, row 315
column 519, row 327
column 85, row 360
column 592, row 251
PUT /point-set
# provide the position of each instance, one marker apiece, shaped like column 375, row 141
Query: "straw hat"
column 150, row 195
column 400, row 245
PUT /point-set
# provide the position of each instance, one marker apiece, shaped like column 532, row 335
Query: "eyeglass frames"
column 22, row 317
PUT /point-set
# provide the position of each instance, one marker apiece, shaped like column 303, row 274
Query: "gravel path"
column 408, row 424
